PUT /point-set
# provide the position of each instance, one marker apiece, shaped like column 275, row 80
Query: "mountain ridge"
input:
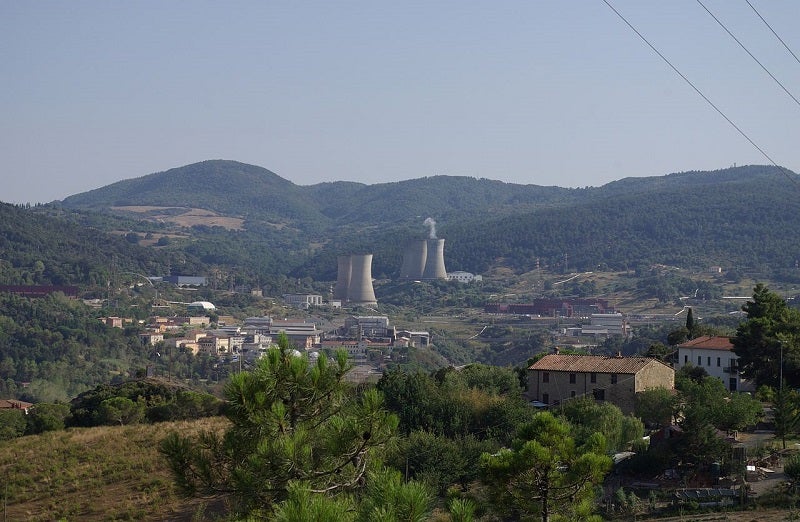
column 739, row 216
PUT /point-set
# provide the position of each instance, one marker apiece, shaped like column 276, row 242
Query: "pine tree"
column 545, row 473
column 291, row 422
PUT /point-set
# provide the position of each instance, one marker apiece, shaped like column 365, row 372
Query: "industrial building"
column 303, row 301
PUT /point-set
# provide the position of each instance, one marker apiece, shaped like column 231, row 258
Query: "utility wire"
column 698, row 91
column 773, row 31
column 748, row 52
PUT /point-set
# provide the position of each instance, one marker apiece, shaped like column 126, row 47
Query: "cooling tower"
column 360, row 291
column 434, row 264
column 342, row 279
column 414, row 260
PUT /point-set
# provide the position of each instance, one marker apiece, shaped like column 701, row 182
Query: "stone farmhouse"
column 556, row 378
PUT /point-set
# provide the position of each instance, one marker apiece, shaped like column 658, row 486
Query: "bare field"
column 185, row 216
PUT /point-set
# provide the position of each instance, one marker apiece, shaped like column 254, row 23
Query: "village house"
column 113, row 322
column 214, row 344
column 150, row 338
column 556, row 378
column 714, row 354
column 12, row 404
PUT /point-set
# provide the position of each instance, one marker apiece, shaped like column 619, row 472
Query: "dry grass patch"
column 185, row 216
column 104, row 473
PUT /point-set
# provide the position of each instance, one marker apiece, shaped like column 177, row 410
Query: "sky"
column 557, row 92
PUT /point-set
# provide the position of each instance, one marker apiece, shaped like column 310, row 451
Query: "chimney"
column 556, row 350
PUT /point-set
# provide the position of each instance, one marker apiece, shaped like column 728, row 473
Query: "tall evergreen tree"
column 291, row 422
column 690, row 323
column 546, row 473
column 768, row 342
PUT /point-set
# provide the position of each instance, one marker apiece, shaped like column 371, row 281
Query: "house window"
column 572, row 394
column 545, row 378
column 709, row 362
column 613, row 378
column 685, row 359
column 719, row 362
column 732, row 384
column 699, row 361
column 599, row 394
column 572, row 378
column 546, row 398
column 593, row 377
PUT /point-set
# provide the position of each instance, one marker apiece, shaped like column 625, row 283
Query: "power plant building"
column 354, row 280
column 424, row 260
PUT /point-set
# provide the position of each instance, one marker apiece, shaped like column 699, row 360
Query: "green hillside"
column 740, row 218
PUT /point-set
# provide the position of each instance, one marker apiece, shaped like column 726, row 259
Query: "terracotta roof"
column 14, row 404
column 592, row 363
column 708, row 342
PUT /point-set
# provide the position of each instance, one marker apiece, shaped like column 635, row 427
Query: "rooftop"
column 708, row 342
column 592, row 363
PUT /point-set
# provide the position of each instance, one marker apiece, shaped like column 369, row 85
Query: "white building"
column 303, row 301
column 607, row 324
column 714, row 355
column 368, row 325
column 301, row 334
column 201, row 306
column 463, row 277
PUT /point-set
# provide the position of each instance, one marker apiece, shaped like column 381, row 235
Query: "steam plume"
column 430, row 223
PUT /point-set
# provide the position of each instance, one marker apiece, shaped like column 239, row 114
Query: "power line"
column 699, row 92
column 748, row 52
column 773, row 31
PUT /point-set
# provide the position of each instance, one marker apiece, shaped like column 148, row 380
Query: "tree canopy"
column 291, row 421
column 545, row 472
column 768, row 342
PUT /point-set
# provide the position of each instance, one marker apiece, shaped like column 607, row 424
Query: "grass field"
column 87, row 474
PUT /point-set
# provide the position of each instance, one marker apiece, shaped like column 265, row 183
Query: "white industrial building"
column 607, row 324
column 463, row 277
column 303, row 301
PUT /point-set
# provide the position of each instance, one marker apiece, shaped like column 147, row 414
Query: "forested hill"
column 255, row 193
column 744, row 220
column 744, row 217
column 38, row 249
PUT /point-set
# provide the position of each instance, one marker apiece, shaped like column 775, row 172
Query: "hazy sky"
column 542, row 92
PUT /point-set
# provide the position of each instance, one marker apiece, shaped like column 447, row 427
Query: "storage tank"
column 414, row 258
column 360, row 289
column 342, row 279
column 434, row 264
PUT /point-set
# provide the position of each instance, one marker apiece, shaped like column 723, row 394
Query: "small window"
column 613, row 378
column 685, row 359
column 546, row 398
column 593, row 377
column 599, row 394
column 545, row 378
column 719, row 362
column 572, row 394
column 699, row 361
column 572, row 378
column 708, row 362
